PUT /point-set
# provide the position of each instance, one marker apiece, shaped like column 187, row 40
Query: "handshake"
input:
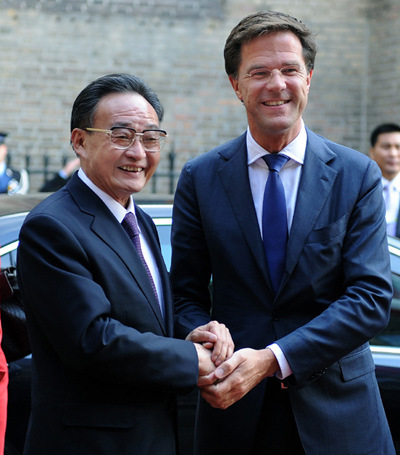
column 226, row 376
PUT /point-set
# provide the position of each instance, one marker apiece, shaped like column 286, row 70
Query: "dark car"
column 385, row 347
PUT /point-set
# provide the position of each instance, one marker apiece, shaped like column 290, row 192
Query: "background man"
column 385, row 150
column 61, row 178
column 96, row 291
column 306, row 315
column 11, row 181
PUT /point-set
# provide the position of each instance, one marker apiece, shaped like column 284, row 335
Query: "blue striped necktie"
column 274, row 219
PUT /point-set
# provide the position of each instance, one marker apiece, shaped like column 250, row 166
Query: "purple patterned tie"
column 130, row 225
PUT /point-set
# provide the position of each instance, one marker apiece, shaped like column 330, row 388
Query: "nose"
column 276, row 81
column 136, row 149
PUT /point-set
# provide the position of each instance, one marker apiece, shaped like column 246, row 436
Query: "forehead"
column 125, row 108
column 276, row 46
column 389, row 138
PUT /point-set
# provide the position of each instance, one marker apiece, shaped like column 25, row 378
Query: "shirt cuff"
column 284, row 367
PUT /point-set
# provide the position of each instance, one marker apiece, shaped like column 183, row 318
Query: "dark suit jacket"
column 105, row 368
column 335, row 294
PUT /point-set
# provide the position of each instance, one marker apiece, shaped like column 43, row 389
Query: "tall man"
column 385, row 150
column 96, row 291
column 300, row 307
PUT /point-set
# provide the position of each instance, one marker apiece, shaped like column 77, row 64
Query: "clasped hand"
column 235, row 377
column 224, row 376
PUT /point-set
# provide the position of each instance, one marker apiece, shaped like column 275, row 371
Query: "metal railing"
column 163, row 181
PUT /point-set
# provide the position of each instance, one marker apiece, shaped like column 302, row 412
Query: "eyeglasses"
column 122, row 137
column 287, row 73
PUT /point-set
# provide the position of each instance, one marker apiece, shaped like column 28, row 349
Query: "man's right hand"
column 206, row 365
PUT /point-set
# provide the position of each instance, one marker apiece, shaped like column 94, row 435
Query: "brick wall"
column 51, row 49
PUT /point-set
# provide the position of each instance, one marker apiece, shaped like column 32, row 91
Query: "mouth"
column 275, row 103
column 131, row 169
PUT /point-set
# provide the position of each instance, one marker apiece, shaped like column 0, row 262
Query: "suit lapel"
column 235, row 180
column 316, row 183
column 106, row 227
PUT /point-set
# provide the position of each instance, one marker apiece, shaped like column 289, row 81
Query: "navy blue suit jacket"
column 335, row 294
column 105, row 368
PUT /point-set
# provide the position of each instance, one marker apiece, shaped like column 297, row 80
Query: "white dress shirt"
column 119, row 212
column 391, row 195
column 290, row 176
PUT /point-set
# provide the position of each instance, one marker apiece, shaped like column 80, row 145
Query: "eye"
column 292, row 70
column 121, row 133
column 260, row 74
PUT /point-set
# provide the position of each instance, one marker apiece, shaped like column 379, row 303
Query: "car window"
column 6, row 261
column 8, row 254
column 164, row 233
column 391, row 335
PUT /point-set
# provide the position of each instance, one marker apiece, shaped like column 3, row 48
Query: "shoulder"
column 217, row 155
column 339, row 156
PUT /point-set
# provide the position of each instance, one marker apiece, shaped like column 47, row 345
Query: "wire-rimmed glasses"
column 123, row 137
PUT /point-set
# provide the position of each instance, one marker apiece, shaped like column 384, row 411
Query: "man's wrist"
column 270, row 362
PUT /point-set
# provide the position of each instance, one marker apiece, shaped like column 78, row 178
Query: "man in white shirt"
column 385, row 150
column 291, row 228
column 96, row 291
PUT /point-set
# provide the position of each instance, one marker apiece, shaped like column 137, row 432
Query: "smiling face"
column 386, row 152
column 118, row 173
column 274, row 106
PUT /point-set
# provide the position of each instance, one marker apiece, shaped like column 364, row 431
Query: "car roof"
column 19, row 203
column 14, row 209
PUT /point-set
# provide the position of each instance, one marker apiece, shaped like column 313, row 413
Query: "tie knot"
column 275, row 162
column 130, row 225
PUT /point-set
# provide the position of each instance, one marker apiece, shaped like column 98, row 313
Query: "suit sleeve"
column 71, row 314
column 190, row 265
column 363, row 308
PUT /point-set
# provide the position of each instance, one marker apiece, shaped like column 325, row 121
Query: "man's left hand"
column 214, row 336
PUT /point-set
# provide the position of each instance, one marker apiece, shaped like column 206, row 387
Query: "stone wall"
column 51, row 49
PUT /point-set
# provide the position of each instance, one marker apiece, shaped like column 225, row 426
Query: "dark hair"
column 383, row 128
column 85, row 105
column 264, row 23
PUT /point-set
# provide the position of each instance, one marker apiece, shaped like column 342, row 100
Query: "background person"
column 3, row 392
column 300, row 306
column 61, row 178
column 99, row 308
column 385, row 150
column 11, row 180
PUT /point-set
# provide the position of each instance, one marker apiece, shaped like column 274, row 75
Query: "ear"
column 309, row 76
column 371, row 153
column 78, row 142
column 235, row 84
column 3, row 152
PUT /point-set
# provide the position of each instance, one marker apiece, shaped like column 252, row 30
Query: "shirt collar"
column 2, row 168
column 394, row 184
column 115, row 207
column 296, row 150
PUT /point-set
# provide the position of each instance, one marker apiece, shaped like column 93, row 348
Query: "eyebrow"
column 289, row 63
column 152, row 126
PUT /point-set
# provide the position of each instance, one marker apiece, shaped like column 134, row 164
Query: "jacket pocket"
column 357, row 364
column 328, row 232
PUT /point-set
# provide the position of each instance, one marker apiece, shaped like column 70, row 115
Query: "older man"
column 291, row 227
column 96, row 291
